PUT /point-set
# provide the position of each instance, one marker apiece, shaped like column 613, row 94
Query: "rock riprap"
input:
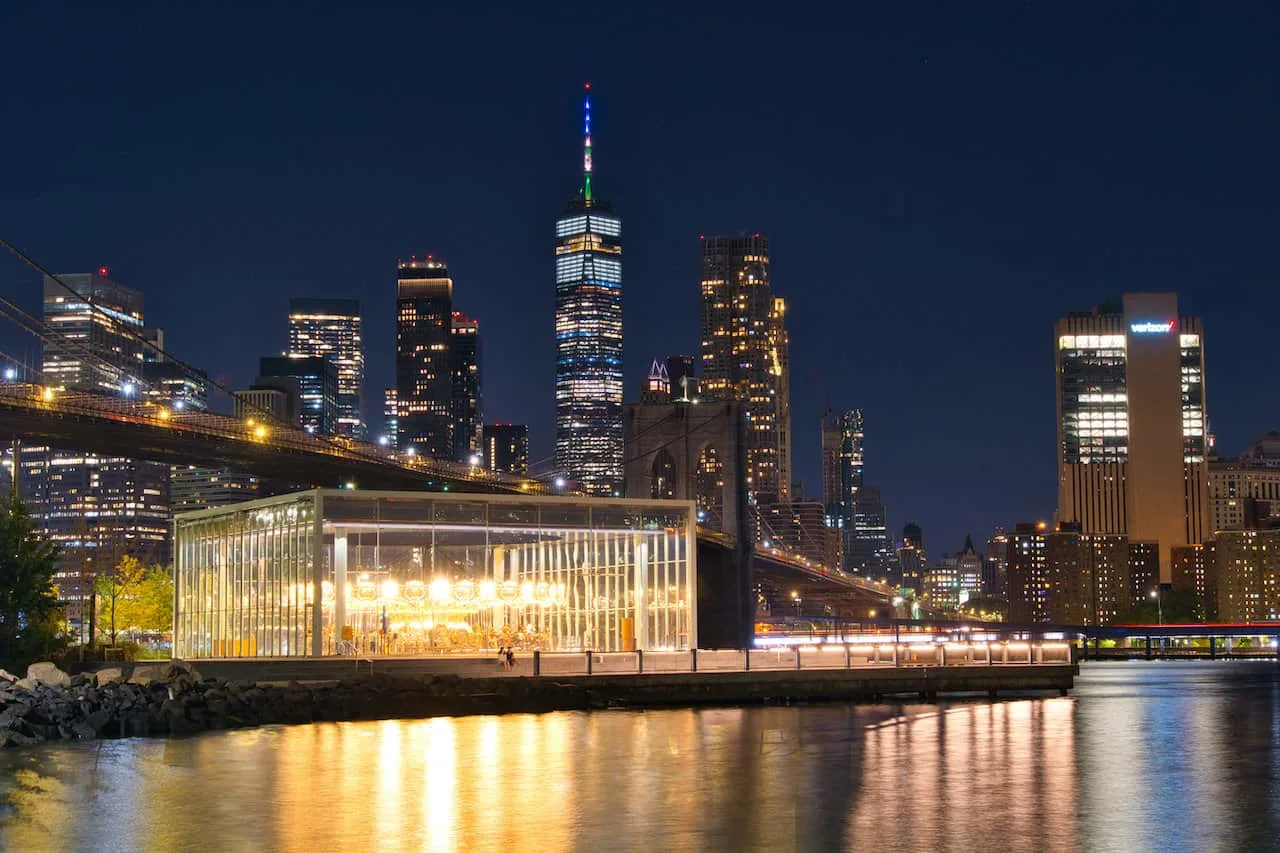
column 172, row 699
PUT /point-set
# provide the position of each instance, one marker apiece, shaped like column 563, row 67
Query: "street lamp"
column 1155, row 593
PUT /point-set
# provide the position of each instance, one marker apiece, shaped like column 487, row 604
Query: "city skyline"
column 915, row 333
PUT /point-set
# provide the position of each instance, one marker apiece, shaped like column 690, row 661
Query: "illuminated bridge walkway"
column 97, row 423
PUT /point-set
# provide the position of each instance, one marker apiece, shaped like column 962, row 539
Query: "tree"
column 29, row 609
column 133, row 598
column 116, row 588
column 150, row 609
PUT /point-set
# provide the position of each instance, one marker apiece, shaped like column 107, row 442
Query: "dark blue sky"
column 939, row 182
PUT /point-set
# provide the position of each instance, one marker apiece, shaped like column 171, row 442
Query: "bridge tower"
column 679, row 450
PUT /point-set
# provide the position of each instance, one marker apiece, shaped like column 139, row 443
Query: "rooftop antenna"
column 586, row 146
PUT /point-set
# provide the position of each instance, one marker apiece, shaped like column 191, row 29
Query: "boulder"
column 48, row 673
column 148, row 674
column 7, row 677
column 110, row 675
column 26, row 684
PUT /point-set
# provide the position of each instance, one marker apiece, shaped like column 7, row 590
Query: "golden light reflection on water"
column 1037, row 775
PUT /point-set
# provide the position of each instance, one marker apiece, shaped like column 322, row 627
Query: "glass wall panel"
column 407, row 575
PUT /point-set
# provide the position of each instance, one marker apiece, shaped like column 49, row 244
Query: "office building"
column 1247, row 573
column 331, row 328
column 424, row 369
column 911, row 557
column 872, row 552
column 317, row 383
column 800, row 527
column 1068, row 577
column 95, row 508
column 466, row 407
column 277, row 401
column 506, row 448
column 169, row 384
column 100, row 333
column 1245, row 492
column 588, row 330
column 193, row 487
column 1194, row 570
column 956, row 579
column 745, row 355
column 1131, row 423
column 842, row 461
column 995, row 565
column 526, row 572
column 390, row 419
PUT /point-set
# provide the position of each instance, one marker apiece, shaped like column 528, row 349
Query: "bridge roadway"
column 96, row 423
column 144, row 429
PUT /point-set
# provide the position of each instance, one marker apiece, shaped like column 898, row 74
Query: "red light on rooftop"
column 102, row 271
column 588, row 87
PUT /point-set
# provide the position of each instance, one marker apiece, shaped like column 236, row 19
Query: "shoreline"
column 173, row 699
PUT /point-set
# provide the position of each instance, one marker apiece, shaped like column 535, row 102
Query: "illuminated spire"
column 586, row 147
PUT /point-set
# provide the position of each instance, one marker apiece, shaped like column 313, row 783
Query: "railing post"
column 988, row 653
column 942, row 654
column 589, row 657
column 693, row 660
column 1031, row 651
column 896, row 661
column 537, row 662
column 1148, row 639
column 746, row 659
column 639, row 661
column 848, row 661
column 797, row 657
column 1213, row 648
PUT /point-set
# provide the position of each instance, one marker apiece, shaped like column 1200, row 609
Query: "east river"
column 1142, row 756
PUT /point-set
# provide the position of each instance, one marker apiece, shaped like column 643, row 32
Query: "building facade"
column 316, row 378
column 424, row 377
column 464, row 367
column 1245, row 492
column 95, row 508
column 193, row 487
column 912, row 558
column 744, row 350
column 296, row 576
column 872, row 552
column 331, row 328
column 1068, row 577
column 99, row 344
column 1131, row 422
column 506, row 448
column 842, row 462
column 800, row 527
column 588, row 329
column 1247, row 575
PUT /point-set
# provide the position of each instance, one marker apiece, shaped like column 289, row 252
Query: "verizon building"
column 1131, row 422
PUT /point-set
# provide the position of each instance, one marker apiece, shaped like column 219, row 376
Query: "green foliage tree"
column 30, row 615
column 134, row 599
column 1177, row 605
column 115, row 588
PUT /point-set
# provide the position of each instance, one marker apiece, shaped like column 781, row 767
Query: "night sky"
column 939, row 182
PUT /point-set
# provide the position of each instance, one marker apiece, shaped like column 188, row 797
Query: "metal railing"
column 828, row 657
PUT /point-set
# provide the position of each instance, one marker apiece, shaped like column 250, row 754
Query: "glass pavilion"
column 331, row 572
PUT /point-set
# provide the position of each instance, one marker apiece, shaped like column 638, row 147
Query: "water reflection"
column 1142, row 758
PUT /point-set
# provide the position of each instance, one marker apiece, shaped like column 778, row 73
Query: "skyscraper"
column 1131, row 422
column 464, row 368
column 317, row 381
column 103, row 317
column 589, row 337
column 842, row 471
column 911, row 556
column 331, row 328
column 873, row 554
column 96, row 508
column 745, row 355
column 507, row 448
column 424, row 374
